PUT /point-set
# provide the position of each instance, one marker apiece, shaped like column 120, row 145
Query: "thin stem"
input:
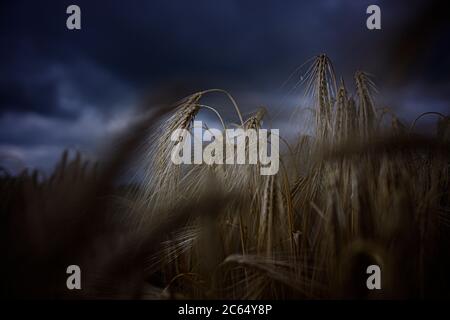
column 229, row 97
column 424, row 114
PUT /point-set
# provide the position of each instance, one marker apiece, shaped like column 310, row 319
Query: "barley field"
column 362, row 188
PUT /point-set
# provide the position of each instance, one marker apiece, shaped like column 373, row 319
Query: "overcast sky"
column 75, row 89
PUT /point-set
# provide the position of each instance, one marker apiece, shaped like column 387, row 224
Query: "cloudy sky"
column 75, row 89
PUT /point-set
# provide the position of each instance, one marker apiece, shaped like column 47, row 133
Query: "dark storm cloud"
column 60, row 87
column 145, row 43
